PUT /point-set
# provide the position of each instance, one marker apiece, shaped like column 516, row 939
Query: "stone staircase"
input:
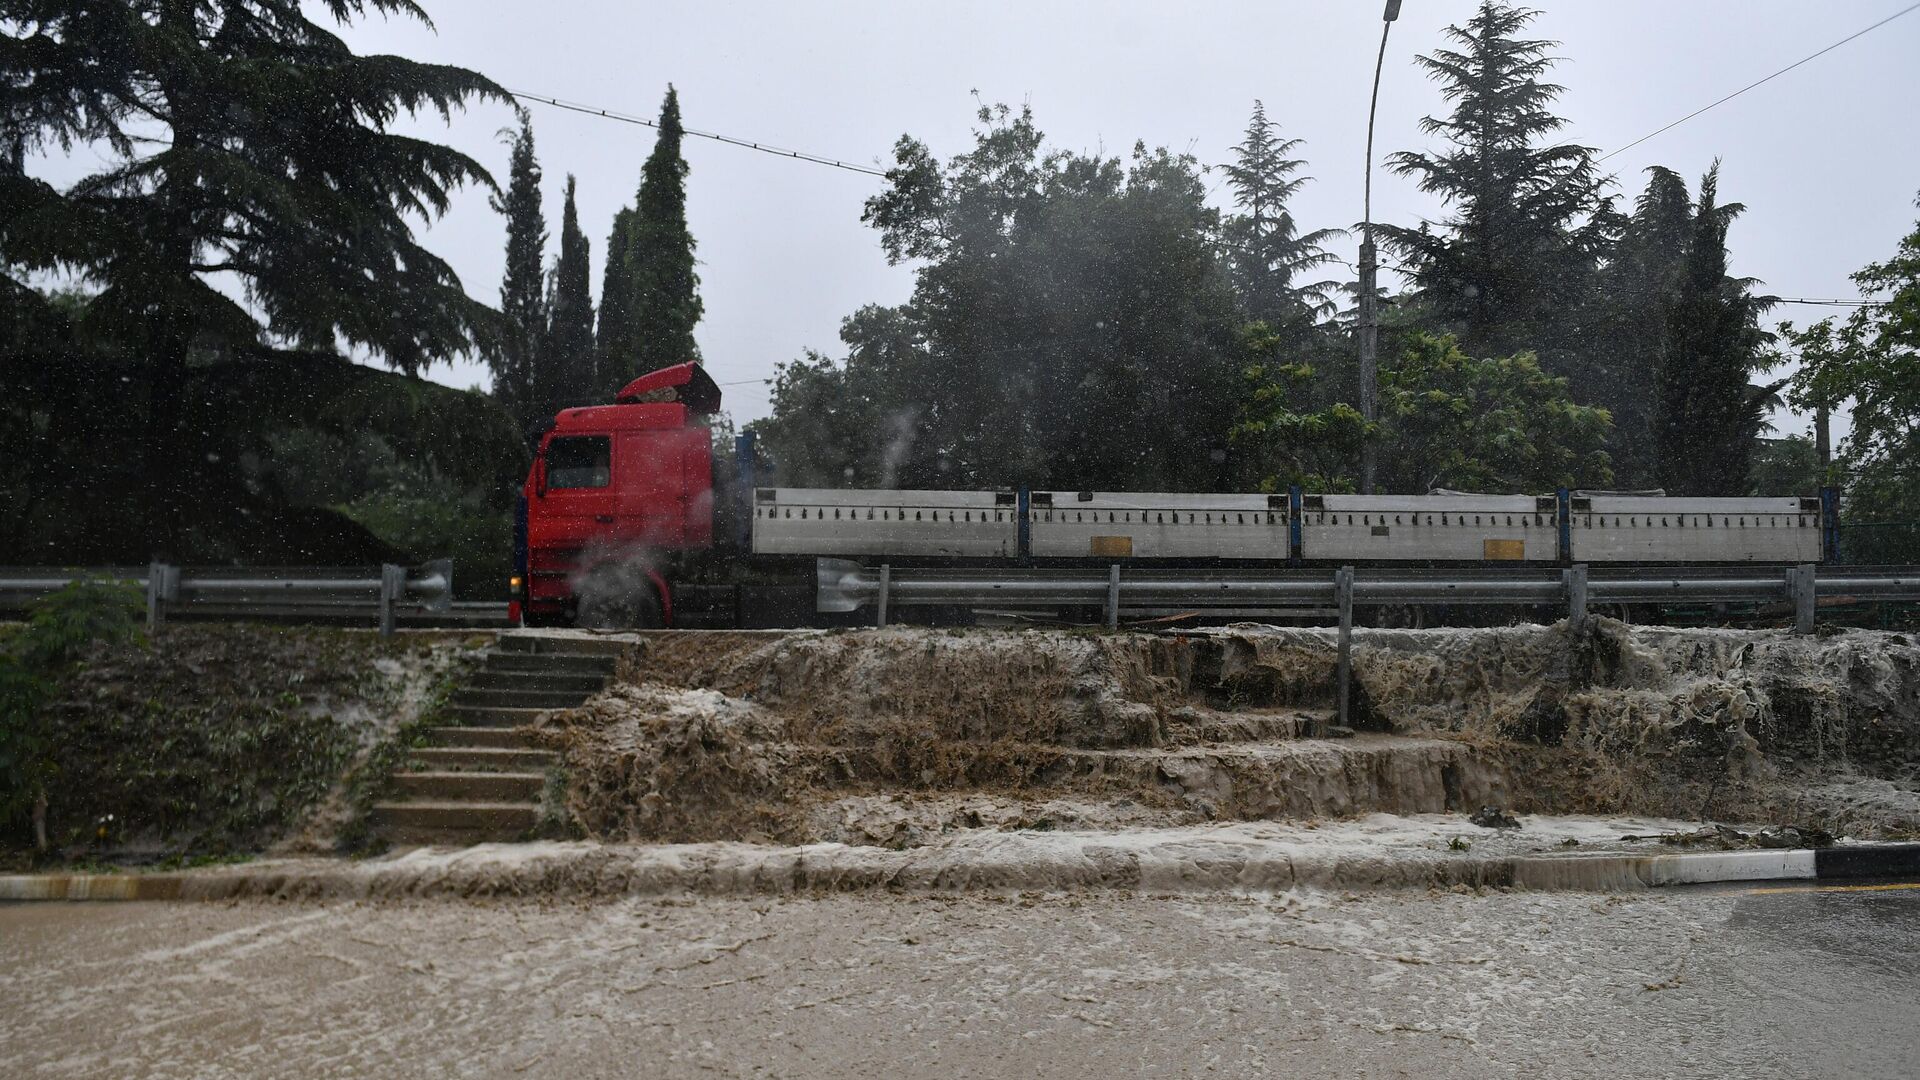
column 478, row 780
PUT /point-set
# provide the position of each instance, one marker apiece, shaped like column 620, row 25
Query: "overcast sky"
column 1825, row 158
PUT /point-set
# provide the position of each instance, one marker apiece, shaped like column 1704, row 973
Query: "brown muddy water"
column 1307, row 984
column 880, row 736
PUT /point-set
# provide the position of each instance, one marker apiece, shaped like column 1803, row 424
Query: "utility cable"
column 1860, row 33
column 797, row 155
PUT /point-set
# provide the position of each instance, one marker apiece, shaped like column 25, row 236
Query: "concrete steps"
column 497, row 715
column 519, row 698
column 483, row 758
column 479, row 780
column 478, row 787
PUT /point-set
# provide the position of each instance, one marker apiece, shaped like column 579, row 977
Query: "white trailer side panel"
column 1156, row 525
column 1417, row 528
column 827, row 521
column 1637, row 528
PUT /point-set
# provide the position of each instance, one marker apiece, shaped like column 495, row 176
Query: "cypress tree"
column 1268, row 251
column 1638, row 287
column 523, row 305
column 1709, row 413
column 613, row 356
column 665, row 296
column 565, row 375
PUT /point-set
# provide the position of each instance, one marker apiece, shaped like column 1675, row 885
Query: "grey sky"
column 1825, row 157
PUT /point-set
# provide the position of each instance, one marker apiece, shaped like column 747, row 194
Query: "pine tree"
column 665, row 296
column 1267, row 250
column 242, row 141
column 1528, row 223
column 566, row 371
column 612, row 343
column 1709, row 412
column 1638, row 287
column 523, row 304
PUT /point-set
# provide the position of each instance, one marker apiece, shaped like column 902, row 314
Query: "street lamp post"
column 1369, row 314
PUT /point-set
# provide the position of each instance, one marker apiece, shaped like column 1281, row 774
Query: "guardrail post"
column 393, row 587
column 1801, row 582
column 880, row 601
column 1343, row 596
column 1113, row 596
column 1575, row 577
column 163, row 588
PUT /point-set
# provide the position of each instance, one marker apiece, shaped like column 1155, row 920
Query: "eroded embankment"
column 895, row 736
column 228, row 739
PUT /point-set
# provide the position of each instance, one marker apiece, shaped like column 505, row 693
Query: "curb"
column 998, row 863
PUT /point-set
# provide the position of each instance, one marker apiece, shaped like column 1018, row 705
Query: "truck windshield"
column 579, row 461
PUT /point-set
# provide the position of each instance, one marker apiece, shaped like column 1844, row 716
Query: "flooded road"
column 1799, row 983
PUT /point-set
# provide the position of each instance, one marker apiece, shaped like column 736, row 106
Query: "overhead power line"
column 1828, row 303
column 1768, row 79
column 777, row 151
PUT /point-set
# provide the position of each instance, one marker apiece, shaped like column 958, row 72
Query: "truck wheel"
column 615, row 601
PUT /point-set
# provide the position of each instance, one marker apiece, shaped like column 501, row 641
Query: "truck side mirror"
column 540, row 475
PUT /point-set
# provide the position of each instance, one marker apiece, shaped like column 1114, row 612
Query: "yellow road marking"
column 1832, row 888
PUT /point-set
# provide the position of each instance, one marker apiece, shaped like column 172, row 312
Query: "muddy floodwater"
column 1311, row 984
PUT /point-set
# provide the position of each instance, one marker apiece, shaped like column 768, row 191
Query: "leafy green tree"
column 1498, row 424
column 1290, row 434
column 1076, row 322
column 1514, row 262
column 516, row 359
column 1269, row 252
column 1870, row 363
column 567, row 355
column 1638, row 287
column 1710, row 413
column 664, row 291
column 857, row 422
column 1785, row 466
column 613, row 362
column 245, row 150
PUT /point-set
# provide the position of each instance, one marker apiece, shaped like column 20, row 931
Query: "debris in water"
column 1492, row 817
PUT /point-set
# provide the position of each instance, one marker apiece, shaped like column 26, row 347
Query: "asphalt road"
column 1803, row 982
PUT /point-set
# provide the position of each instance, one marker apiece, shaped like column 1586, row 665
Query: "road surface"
column 1803, row 982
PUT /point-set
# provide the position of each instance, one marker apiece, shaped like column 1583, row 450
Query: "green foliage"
column 1638, row 286
column 1530, row 220
column 1871, row 364
column 1267, row 250
column 612, row 360
column 1710, row 413
column 853, row 423
column 58, row 629
column 237, row 139
column 1788, row 466
column 1500, row 424
column 211, row 739
column 1290, row 440
column 662, row 286
column 1072, row 325
column 515, row 356
column 566, row 375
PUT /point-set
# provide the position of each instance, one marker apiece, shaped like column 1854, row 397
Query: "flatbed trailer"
column 625, row 519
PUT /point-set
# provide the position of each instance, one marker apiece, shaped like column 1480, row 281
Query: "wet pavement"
column 1760, row 982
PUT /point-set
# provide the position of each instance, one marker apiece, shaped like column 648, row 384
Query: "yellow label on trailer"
column 1503, row 550
column 1111, row 547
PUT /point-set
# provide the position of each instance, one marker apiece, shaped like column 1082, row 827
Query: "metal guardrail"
column 844, row 586
column 279, row 592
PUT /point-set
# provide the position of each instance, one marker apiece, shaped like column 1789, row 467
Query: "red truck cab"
column 615, row 494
